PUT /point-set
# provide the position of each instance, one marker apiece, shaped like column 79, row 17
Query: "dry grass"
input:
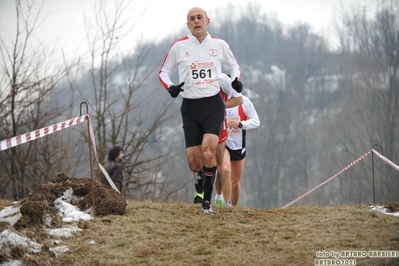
column 152, row 233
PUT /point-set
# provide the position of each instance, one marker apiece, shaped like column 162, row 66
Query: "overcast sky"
column 64, row 25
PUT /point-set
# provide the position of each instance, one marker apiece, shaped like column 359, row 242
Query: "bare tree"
column 123, row 108
column 370, row 84
column 28, row 80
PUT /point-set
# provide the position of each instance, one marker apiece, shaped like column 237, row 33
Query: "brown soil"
column 392, row 207
column 87, row 191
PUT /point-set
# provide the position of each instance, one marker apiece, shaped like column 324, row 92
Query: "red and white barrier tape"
column 24, row 138
column 394, row 166
column 91, row 132
column 328, row 180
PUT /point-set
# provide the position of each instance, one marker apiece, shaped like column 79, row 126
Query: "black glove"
column 175, row 90
column 237, row 85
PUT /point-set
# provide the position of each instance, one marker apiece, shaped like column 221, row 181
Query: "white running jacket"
column 246, row 113
column 199, row 65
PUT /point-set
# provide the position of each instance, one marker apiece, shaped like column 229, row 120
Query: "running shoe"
column 219, row 202
column 228, row 203
column 206, row 208
column 198, row 197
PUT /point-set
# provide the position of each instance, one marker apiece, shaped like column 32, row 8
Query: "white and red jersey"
column 199, row 65
column 248, row 116
column 226, row 92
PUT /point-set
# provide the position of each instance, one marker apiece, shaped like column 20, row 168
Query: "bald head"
column 195, row 11
column 198, row 22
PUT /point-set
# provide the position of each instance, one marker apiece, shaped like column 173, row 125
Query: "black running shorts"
column 236, row 155
column 200, row 116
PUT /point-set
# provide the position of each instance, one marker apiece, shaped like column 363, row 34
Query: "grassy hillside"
column 152, row 233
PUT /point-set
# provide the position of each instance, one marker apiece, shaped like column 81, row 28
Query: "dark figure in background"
column 114, row 168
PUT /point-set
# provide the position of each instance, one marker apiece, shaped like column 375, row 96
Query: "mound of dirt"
column 86, row 194
column 392, row 207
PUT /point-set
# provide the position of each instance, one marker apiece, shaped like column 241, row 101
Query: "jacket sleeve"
column 230, row 63
column 169, row 66
column 117, row 172
column 227, row 88
column 252, row 116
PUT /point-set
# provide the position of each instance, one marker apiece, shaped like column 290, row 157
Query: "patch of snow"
column 12, row 263
column 383, row 210
column 59, row 250
column 64, row 231
column 66, row 209
column 10, row 214
column 9, row 238
column 69, row 212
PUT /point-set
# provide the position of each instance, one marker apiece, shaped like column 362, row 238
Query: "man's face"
column 197, row 22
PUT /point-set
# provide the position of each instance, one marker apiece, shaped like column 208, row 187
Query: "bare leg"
column 237, row 168
column 209, row 144
column 194, row 158
column 227, row 177
column 220, row 172
column 195, row 164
